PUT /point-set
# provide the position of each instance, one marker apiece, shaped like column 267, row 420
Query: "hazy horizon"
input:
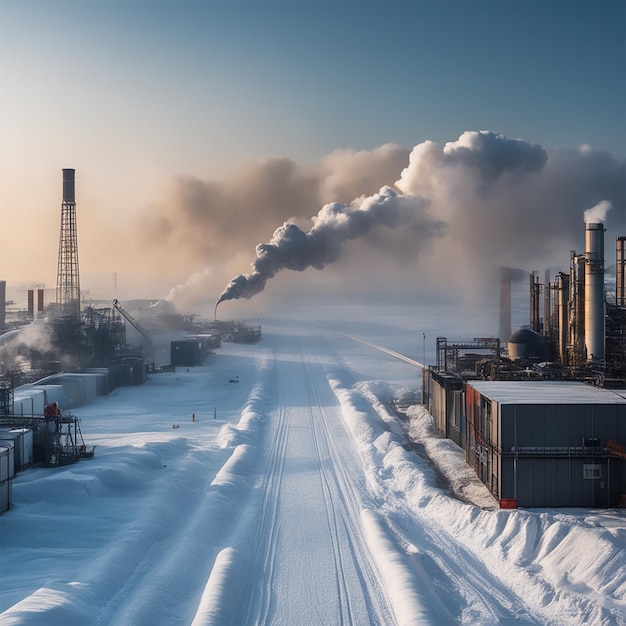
column 197, row 130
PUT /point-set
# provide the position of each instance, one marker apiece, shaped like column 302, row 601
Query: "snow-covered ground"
column 291, row 499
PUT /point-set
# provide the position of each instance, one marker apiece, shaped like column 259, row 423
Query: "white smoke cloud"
column 597, row 213
column 503, row 201
column 16, row 345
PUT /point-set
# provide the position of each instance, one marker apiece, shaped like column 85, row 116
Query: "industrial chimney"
column 595, row 323
column 620, row 273
column 505, row 305
column 3, row 303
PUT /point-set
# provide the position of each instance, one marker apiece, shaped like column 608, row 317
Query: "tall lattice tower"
column 68, row 282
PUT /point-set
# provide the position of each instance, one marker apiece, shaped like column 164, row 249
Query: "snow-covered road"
column 308, row 543
column 291, row 500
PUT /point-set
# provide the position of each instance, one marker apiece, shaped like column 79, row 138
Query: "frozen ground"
column 291, row 500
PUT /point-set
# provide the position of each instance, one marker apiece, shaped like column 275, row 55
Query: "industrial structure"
column 83, row 352
column 543, row 423
column 68, row 277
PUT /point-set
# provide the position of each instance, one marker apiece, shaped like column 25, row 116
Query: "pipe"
column 562, row 296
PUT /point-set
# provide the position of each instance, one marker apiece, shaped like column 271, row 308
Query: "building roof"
column 547, row 392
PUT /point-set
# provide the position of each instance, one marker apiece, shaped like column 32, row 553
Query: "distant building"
column 191, row 350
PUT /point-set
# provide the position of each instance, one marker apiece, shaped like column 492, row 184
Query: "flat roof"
column 547, row 392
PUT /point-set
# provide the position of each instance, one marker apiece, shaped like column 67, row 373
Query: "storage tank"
column 527, row 344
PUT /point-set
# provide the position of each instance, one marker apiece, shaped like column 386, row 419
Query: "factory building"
column 544, row 424
column 547, row 443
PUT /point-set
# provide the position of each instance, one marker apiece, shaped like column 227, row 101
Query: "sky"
column 197, row 128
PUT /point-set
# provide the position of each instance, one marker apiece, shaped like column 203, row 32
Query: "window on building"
column 591, row 471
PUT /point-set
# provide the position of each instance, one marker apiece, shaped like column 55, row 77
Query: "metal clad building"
column 189, row 351
column 445, row 393
column 548, row 443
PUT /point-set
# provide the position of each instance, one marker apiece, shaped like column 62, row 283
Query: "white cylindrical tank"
column 595, row 323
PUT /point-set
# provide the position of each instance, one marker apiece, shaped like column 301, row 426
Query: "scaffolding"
column 453, row 356
column 57, row 437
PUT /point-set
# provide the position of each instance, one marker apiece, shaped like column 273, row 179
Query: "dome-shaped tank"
column 526, row 344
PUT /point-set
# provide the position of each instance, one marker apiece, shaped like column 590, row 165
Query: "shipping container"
column 23, row 441
column 7, row 471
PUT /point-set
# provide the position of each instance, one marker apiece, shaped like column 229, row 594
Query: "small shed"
column 189, row 351
column 548, row 443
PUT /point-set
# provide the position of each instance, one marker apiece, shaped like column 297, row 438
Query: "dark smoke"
column 503, row 202
column 513, row 274
column 483, row 156
column 291, row 248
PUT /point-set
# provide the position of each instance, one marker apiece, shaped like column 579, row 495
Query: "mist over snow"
column 480, row 201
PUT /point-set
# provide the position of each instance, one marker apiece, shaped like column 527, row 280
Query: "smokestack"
column 505, row 305
column 3, row 304
column 620, row 273
column 39, row 302
column 535, row 290
column 31, row 304
column 68, row 186
column 547, row 305
column 561, row 284
column 595, row 323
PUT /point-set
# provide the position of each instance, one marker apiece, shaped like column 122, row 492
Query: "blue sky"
column 132, row 93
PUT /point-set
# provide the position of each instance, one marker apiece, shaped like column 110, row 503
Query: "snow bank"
column 405, row 582
column 220, row 596
column 566, row 569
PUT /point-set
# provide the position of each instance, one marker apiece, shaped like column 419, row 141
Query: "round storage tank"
column 526, row 344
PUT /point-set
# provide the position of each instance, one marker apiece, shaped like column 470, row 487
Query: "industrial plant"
column 541, row 412
column 58, row 356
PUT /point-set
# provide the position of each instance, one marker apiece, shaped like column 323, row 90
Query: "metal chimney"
column 595, row 323
column 31, row 304
column 505, row 305
column 3, row 303
column 561, row 282
column 620, row 272
column 40, row 300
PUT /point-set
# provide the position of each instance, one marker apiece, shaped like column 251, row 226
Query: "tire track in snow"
column 266, row 536
column 343, row 504
column 308, row 563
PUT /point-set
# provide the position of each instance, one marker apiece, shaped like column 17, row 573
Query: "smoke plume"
column 597, row 213
column 291, row 248
column 503, row 202
column 482, row 157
